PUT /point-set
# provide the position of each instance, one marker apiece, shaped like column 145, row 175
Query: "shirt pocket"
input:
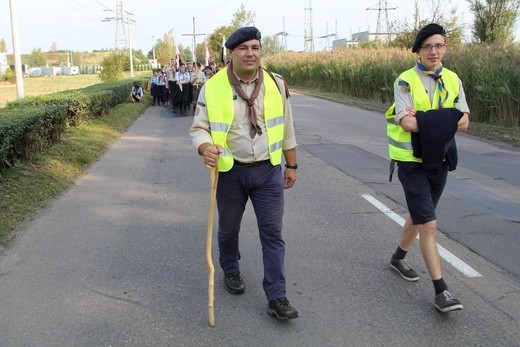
column 240, row 109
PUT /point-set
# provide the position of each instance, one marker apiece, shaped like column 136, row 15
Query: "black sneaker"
column 403, row 269
column 234, row 283
column 446, row 302
column 281, row 309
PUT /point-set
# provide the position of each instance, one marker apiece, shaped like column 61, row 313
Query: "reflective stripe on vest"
column 220, row 106
column 400, row 141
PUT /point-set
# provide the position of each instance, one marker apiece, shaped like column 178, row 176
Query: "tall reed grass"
column 490, row 75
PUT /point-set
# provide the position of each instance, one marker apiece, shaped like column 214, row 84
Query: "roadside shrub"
column 9, row 75
column 113, row 67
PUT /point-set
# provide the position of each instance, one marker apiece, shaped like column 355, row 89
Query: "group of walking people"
column 178, row 88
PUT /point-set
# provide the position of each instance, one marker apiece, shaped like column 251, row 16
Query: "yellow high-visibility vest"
column 220, row 106
column 400, row 141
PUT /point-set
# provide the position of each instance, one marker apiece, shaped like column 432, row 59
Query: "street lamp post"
column 153, row 50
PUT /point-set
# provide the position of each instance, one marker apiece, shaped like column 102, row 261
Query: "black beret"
column 424, row 33
column 242, row 35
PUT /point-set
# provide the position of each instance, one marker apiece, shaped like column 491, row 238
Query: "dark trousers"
column 161, row 94
column 153, row 90
column 264, row 185
column 172, row 85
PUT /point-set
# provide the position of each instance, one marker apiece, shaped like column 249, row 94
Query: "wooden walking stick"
column 209, row 238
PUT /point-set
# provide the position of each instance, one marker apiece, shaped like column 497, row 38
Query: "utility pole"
column 120, row 41
column 284, row 34
column 382, row 7
column 326, row 37
column 194, row 42
column 120, row 32
column 128, row 22
column 16, row 51
column 309, row 38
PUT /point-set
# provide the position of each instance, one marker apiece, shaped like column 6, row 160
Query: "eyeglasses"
column 438, row 47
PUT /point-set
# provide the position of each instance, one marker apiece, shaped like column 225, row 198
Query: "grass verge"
column 30, row 185
column 506, row 136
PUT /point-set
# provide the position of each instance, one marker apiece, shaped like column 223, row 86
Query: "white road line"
column 443, row 252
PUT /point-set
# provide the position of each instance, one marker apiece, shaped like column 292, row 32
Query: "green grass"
column 30, row 185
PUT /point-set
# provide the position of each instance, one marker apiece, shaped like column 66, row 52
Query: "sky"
column 78, row 24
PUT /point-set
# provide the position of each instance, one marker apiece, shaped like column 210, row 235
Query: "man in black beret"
column 243, row 124
column 429, row 98
column 242, row 35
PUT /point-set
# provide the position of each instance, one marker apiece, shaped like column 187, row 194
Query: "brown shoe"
column 234, row 283
column 282, row 309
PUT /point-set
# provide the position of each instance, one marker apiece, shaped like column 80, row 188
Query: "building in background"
column 70, row 70
column 363, row 36
column 3, row 63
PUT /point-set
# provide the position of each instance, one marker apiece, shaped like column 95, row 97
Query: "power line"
column 106, row 8
column 75, row 8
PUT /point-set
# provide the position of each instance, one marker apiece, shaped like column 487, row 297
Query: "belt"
column 255, row 163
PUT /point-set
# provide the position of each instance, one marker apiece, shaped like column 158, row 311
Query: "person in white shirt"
column 136, row 93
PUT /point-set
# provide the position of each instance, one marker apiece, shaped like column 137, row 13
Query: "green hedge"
column 32, row 124
column 28, row 130
column 92, row 101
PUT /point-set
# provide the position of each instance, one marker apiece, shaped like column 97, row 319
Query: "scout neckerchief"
column 443, row 93
column 233, row 79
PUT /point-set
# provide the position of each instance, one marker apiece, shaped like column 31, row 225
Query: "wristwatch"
column 294, row 167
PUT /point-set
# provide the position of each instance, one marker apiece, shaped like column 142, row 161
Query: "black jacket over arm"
column 435, row 140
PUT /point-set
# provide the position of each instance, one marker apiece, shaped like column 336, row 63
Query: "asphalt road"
column 119, row 259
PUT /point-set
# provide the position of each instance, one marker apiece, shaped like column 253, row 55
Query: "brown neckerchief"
column 255, row 128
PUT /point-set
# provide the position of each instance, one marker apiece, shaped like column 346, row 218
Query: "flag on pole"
column 208, row 56
column 223, row 50
column 177, row 57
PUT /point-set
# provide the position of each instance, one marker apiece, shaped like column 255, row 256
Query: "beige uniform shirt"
column 171, row 74
column 244, row 148
column 198, row 79
column 403, row 97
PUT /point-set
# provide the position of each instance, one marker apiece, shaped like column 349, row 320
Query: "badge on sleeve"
column 404, row 86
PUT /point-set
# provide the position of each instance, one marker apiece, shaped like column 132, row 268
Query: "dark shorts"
column 422, row 190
